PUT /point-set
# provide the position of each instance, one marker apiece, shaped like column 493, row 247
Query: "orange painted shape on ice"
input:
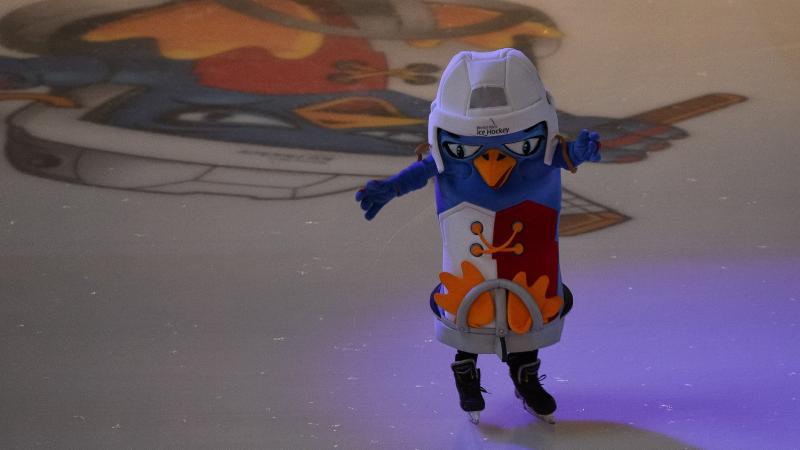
column 453, row 16
column 203, row 28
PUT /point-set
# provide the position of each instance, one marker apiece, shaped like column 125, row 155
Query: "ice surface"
column 146, row 320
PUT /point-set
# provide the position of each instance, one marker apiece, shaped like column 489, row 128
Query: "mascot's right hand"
column 374, row 195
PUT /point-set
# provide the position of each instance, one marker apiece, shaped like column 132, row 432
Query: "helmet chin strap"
column 421, row 150
column 565, row 153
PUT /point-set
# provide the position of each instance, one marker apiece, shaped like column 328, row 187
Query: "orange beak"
column 494, row 167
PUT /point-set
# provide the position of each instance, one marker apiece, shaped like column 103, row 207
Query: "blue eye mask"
column 463, row 154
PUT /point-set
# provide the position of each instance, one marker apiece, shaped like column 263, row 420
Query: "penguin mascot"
column 497, row 157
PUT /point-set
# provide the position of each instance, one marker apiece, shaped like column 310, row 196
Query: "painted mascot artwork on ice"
column 270, row 99
column 496, row 157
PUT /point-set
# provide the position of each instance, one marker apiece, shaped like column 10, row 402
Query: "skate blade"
column 546, row 418
column 474, row 416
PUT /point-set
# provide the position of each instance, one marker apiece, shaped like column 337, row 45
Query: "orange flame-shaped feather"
column 519, row 320
column 482, row 310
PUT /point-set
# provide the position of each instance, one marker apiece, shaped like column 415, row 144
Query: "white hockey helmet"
column 491, row 94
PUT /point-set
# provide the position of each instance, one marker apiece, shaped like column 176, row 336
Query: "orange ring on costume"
column 476, row 250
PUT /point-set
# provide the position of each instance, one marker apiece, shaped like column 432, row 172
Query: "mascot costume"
column 496, row 155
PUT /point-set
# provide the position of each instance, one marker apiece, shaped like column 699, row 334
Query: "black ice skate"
column 534, row 398
column 468, row 383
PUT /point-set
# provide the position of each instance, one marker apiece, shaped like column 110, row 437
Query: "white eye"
column 524, row 148
column 461, row 151
column 232, row 118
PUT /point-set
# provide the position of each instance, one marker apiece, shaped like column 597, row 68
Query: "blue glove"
column 374, row 195
column 378, row 192
column 585, row 148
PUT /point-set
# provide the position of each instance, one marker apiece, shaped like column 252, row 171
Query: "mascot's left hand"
column 585, row 148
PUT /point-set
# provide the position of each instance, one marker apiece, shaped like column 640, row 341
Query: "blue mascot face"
column 494, row 159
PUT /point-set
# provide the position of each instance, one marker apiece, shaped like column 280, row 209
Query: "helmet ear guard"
column 490, row 94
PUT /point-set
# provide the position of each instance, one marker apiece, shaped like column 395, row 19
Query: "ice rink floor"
column 183, row 264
